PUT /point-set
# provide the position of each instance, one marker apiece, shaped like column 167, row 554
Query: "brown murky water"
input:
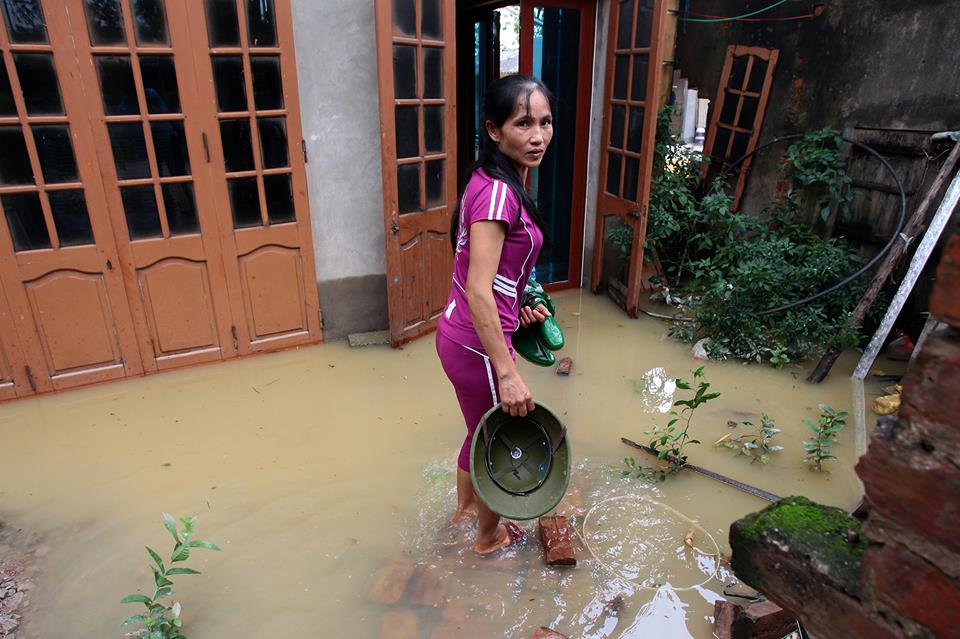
column 313, row 469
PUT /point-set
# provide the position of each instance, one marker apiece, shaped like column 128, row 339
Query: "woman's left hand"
column 530, row 316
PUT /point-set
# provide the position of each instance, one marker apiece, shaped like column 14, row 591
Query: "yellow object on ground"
column 888, row 404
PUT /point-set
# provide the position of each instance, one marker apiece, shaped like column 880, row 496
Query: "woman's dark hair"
column 499, row 103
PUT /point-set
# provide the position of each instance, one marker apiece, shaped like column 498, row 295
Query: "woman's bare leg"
column 466, row 499
column 492, row 535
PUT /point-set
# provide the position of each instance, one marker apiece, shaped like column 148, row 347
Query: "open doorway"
column 553, row 41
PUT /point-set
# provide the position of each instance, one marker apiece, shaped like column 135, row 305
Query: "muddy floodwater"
column 318, row 469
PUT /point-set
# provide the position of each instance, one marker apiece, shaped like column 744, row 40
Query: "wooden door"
column 634, row 59
column 136, row 64
column 68, row 320
column 417, row 69
column 556, row 46
column 250, row 107
column 736, row 115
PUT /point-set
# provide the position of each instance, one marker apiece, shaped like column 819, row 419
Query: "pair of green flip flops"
column 536, row 342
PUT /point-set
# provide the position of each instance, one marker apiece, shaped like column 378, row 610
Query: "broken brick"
column 945, row 298
column 930, row 400
column 913, row 587
column 546, row 633
column 724, row 614
column 565, row 366
column 763, row 620
column 429, row 586
column 893, row 475
column 400, row 624
column 391, row 583
column 556, row 537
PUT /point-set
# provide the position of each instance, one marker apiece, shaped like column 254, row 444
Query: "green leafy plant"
column 757, row 444
column 670, row 441
column 724, row 267
column 161, row 621
column 825, row 432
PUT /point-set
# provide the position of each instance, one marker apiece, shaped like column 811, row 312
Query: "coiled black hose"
column 866, row 267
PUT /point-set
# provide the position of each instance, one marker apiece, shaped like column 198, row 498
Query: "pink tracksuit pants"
column 475, row 382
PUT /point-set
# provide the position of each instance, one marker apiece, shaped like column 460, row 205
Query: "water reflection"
column 656, row 390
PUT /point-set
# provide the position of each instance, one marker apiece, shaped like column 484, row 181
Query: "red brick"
column 429, row 586
column 391, row 583
column 913, row 488
column 565, row 366
column 914, row 588
column 724, row 614
column 945, row 299
column 556, row 537
column 764, row 620
column 931, row 390
column 546, row 633
column 400, row 624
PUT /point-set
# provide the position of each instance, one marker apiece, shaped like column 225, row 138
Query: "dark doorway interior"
column 555, row 44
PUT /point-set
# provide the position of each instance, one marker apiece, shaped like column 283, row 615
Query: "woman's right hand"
column 515, row 397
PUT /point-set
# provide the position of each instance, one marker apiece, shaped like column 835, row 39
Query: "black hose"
column 866, row 267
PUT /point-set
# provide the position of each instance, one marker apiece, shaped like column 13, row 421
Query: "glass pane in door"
column 556, row 44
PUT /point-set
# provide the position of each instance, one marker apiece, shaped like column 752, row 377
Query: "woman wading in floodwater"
column 496, row 232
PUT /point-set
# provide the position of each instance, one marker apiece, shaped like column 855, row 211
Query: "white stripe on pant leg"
column 493, row 389
column 486, row 361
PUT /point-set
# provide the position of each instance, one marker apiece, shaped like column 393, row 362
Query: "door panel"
column 67, row 302
column 249, row 103
column 417, row 75
column 84, row 337
column 273, row 293
column 634, row 60
column 137, row 65
column 179, row 306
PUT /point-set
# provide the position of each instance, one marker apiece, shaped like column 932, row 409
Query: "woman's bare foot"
column 465, row 514
column 505, row 536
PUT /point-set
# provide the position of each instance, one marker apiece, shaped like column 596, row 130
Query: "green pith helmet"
column 520, row 466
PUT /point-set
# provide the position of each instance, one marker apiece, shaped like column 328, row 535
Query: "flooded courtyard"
column 320, row 470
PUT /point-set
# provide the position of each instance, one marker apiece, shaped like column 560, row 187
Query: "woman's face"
column 525, row 135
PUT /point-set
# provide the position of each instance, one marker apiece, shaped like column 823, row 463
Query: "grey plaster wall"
column 337, row 73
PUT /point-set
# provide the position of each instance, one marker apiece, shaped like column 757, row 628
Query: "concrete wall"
column 884, row 64
column 337, row 74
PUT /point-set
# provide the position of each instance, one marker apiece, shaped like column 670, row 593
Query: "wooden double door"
column 152, row 187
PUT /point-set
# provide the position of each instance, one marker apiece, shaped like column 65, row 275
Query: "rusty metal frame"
column 735, row 51
column 631, row 212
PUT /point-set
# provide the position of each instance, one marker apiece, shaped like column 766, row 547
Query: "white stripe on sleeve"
column 493, row 199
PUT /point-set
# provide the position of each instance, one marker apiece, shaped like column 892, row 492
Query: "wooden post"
column 920, row 258
column 911, row 229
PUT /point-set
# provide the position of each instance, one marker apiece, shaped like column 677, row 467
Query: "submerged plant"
column 757, row 445
column 670, row 441
column 162, row 621
column 825, row 432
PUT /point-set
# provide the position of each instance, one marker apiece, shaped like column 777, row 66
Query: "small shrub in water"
column 670, row 441
column 825, row 432
column 162, row 621
column 756, row 445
